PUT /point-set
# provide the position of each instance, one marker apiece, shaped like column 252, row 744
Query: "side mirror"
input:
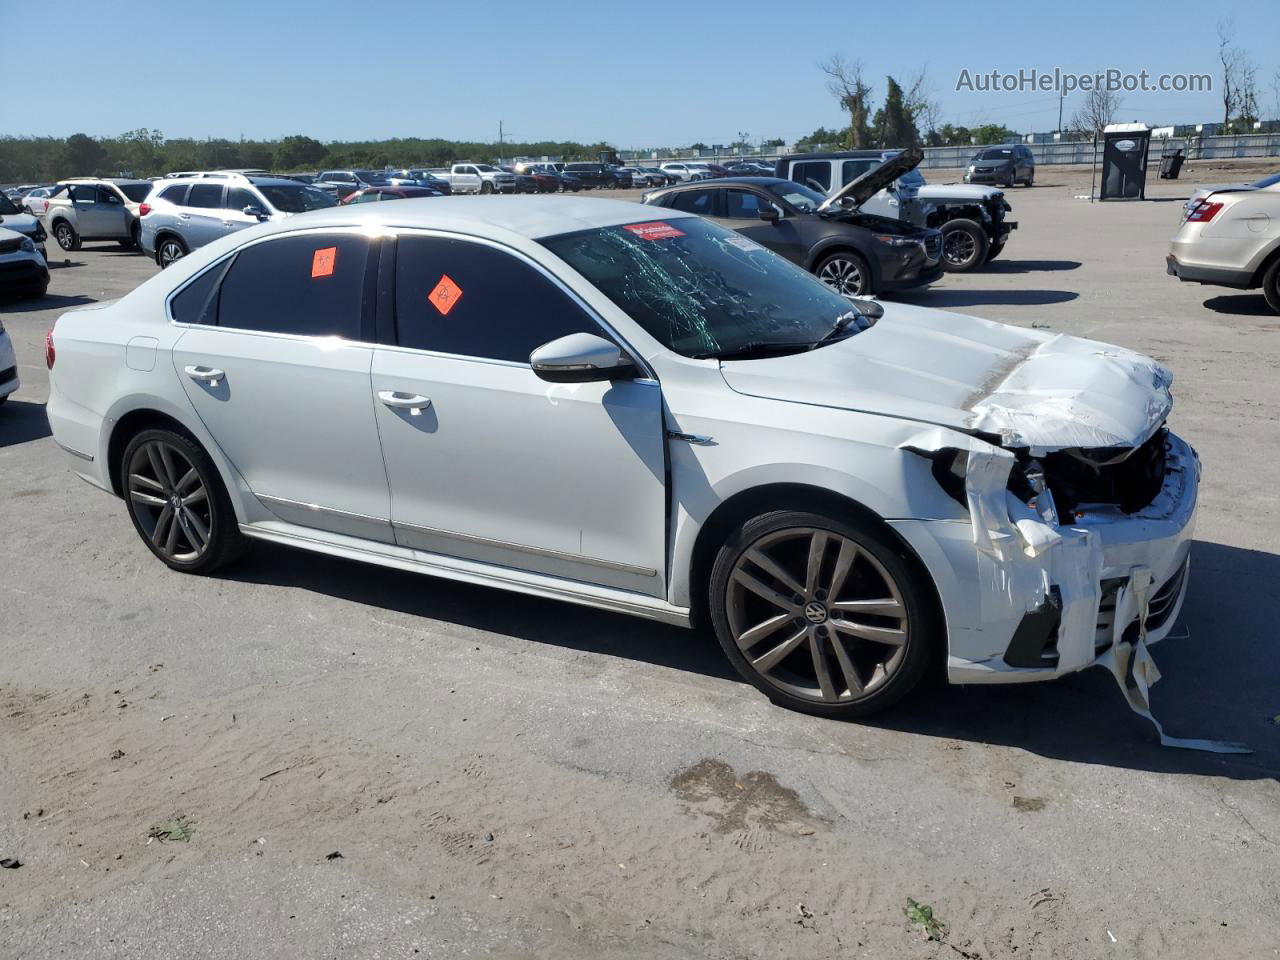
column 769, row 214
column 110, row 197
column 253, row 211
column 581, row 358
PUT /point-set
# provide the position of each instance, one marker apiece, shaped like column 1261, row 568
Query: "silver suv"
column 183, row 214
column 92, row 208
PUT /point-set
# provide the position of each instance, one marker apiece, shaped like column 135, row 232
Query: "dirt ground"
column 305, row 757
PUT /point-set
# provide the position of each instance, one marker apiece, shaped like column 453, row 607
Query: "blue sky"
column 639, row 73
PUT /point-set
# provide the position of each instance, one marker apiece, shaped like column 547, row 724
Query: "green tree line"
column 147, row 153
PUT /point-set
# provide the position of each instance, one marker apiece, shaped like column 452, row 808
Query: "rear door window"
column 311, row 285
column 702, row 202
column 238, row 198
column 743, row 204
column 814, row 174
column 82, row 193
column 205, row 196
column 176, row 194
column 473, row 300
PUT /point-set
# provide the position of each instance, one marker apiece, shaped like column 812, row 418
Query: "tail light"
column 1203, row 211
column 49, row 353
column 144, row 209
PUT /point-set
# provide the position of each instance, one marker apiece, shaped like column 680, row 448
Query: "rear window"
column 136, row 192
column 299, row 199
column 175, row 194
column 205, row 196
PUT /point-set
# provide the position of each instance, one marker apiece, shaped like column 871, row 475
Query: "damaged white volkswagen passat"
column 637, row 410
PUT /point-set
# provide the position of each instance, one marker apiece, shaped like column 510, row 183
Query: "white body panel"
column 578, row 492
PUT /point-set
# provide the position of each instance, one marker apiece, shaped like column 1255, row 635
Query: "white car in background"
column 8, row 366
column 36, row 201
column 1230, row 237
column 15, row 218
column 509, row 394
column 686, row 171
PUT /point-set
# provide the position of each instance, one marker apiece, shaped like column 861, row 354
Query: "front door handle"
column 184, row 216
column 413, row 402
column 210, row 375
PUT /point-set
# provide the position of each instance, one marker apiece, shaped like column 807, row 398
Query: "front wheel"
column 964, row 245
column 486, row 187
column 822, row 615
column 1271, row 285
column 170, row 250
column 846, row 273
column 177, row 502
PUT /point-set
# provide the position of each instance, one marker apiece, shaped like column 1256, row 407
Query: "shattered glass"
column 702, row 290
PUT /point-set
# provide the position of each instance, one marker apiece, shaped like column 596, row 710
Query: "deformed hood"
column 863, row 188
column 1028, row 388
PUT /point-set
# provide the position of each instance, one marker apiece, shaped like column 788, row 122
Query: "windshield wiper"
column 840, row 326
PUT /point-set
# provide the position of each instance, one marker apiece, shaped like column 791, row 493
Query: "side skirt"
column 468, row 571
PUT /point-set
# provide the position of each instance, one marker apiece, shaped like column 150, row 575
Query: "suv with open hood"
column 972, row 218
column 13, row 217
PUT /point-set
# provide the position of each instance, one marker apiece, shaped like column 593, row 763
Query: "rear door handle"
column 413, row 402
column 209, row 375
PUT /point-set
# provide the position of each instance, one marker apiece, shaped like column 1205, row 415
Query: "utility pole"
column 1061, row 96
column 500, row 157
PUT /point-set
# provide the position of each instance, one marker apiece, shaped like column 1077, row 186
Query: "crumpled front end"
column 1033, row 588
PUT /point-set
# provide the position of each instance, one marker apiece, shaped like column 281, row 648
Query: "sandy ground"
column 511, row 777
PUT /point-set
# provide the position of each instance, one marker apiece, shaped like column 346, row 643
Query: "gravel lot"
column 507, row 776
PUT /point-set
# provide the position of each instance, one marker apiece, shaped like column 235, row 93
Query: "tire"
column 66, row 236
column 994, row 251
column 169, row 250
column 1009, row 180
column 486, row 187
column 1271, row 285
column 964, row 245
column 845, row 272
column 1031, row 179
column 160, row 469
column 38, row 292
column 802, row 655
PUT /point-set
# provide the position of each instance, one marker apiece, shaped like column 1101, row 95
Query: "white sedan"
column 637, row 410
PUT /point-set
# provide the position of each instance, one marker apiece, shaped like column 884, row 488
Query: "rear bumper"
column 1218, row 276
column 1058, row 608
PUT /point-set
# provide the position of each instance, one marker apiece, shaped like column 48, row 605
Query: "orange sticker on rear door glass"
column 445, row 295
column 322, row 262
column 656, row 230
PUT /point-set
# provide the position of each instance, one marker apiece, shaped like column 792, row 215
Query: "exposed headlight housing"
column 1034, row 491
column 892, row 241
column 27, row 245
column 39, row 236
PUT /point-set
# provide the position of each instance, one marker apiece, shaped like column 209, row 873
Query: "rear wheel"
column 169, row 250
column 177, row 502
column 822, row 615
column 1271, row 285
column 964, row 245
column 846, row 273
column 66, row 236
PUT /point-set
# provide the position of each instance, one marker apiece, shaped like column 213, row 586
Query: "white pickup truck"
column 478, row 178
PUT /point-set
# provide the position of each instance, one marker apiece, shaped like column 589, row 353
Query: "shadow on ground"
column 1029, row 266
column 1221, row 677
column 22, row 421
column 1242, row 305
column 974, row 298
column 50, row 301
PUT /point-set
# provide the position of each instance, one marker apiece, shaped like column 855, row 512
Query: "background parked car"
column 546, row 179
column 592, row 175
column 19, row 220
column 645, row 177
column 23, row 272
column 343, row 183
column 182, row 215
column 855, row 254
column 419, row 177
column 973, row 219
column 376, row 194
column 1232, row 239
column 89, row 208
column 683, row 171
column 1007, row 165
column 1204, row 190
column 8, row 366
column 525, row 183
column 36, row 201
column 482, row 178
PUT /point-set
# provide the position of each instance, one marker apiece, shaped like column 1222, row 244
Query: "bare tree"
column 921, row 106
column 1232, row 60
column 845, row 83
column 1099, row 109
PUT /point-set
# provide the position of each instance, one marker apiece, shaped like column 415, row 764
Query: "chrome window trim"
column 317, row 508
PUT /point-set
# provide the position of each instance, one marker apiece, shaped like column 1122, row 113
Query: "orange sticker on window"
column 445, row 295
column 657, row 230
column 322, row 262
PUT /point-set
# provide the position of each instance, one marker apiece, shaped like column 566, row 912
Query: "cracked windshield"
column 704, row 291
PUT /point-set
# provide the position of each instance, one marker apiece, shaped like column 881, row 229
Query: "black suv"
column 854, row 253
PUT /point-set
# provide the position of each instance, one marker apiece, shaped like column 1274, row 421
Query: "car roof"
column 532, row 216
column 729, row 181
